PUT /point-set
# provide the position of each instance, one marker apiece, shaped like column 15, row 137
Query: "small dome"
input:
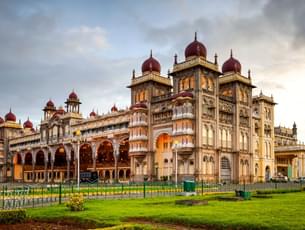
column 151, row 65
column 114, row 108
column 139, row 106
column 28, row 124
column 1, row 120
column 60, row 110
column 10, row 116
column 183, row 94
column 195, row 48
column 73, row 96
column 92, row 114
column 231, row 65
column 50, row 103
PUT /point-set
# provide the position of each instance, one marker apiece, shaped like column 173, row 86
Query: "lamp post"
column 78, row 134
column 176, row 143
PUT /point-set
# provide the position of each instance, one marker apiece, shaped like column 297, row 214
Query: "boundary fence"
column 37, row 195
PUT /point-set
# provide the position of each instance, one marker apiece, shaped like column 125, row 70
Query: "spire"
column 151, row 53
column 168, row 73
column 175, row 59
column 231, row 53
column 195, row 36
column 261, row 93
column 133, row 74
column 215, row 59
column 249, row 74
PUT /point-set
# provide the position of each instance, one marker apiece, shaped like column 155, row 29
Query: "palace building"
column 200, row 122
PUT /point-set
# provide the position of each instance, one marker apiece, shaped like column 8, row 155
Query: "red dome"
column 195, row 48
column 92, row 114
column 138, row 106
column 183, row 94
column 114, row 109
column 10, row 116
column 28, row 124
column 50, row 103
column 151, row 64
column 231, row 65
column 73, row 96
column 1, row 120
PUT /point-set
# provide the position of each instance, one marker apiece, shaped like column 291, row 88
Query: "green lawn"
column 282, row 211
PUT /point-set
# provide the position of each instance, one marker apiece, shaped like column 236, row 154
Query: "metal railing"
column 37, row 195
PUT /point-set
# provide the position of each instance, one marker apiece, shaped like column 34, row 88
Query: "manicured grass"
column 282, row 211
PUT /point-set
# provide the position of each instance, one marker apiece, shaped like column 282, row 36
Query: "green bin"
column 188, row 186
column 245, row 195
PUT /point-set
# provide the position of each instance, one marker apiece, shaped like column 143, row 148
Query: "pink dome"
column 151, row 64
column 50, row 103
column 28, row 124
column 73, row 96
column 10, row 116
column 92, row 114
column 231, row 65
column 1, row 120
column 195, row 48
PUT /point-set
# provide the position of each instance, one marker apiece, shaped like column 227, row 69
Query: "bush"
column 76, row 202
column 12, row 216
column 279, row 191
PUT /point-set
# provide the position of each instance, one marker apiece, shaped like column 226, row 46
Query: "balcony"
column 182, row 116
column 138, row 138
column 178, row 132
column 137, row 123
column 141, row 149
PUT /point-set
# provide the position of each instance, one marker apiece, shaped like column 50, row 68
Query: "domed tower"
column 73, row 103
column 10, row 117
column 150, row 84
column 237, row 89
column 49, row 110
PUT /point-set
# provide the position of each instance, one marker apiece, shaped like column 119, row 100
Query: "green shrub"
column 277, row 191
column 12, row 216
column 76, row 202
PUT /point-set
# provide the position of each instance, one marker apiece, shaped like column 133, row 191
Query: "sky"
column 50, row 48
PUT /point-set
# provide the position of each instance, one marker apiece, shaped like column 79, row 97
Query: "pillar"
column 46, row 171
column 33, row 171
column 52, row 170
column 68, row 170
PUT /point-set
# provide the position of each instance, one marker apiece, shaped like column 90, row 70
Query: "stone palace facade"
column 199, row 120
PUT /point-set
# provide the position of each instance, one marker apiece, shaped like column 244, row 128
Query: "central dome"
column 151, row 65
column 195, row 48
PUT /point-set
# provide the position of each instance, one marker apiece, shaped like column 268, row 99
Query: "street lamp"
column 78, row 134
column 176, row 143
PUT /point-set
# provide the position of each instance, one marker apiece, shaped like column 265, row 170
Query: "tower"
column 73, row 103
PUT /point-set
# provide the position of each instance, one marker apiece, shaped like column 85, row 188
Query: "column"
column 33, row 171
column 46, row 171
column 22, row 171
column 68, row 170
column 52, row 170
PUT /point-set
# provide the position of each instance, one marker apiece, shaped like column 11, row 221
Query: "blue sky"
column 49, row 48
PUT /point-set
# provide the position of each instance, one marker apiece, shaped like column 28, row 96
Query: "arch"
column 267, row 173
column 105, row 157
column 40, row 158
column 85, row 157
column 17, row 160
column 225, row 169
column 163, row 167
column 167, row 131
column 60, row 160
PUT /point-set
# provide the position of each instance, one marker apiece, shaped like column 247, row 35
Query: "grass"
column 283, row 211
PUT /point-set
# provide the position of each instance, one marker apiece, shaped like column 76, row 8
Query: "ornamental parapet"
column 138, row 138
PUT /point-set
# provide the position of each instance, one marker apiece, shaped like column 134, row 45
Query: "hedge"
column 12, row 216
column 279, row 191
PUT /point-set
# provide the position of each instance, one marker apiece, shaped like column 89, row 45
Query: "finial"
column 175, row 59
column 151, row 53
column 19, row 121
column 133, row 73
column 231, row 53
column 249, row 74
column 215, row 59
column 195, row 35
column 168, row 73
column 261, row 93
